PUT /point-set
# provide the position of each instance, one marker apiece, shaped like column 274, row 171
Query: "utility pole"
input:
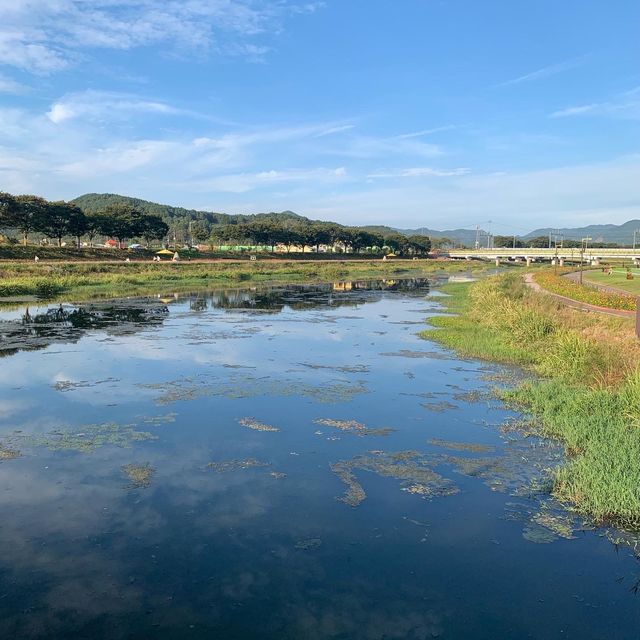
column 634, row 238
column 584, row 243
column 477, row 236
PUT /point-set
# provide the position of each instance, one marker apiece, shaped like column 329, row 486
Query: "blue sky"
column 439, row 113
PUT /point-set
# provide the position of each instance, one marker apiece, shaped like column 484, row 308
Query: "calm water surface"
column 284, row 463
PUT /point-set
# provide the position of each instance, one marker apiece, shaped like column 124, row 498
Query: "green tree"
column 153, row 228
column 122, row 221
column 200, row 230
column 28, row 215
column 8, row 207
column 418, row 244
column 62, row 219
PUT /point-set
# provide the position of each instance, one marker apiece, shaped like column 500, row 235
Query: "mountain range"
column 179, row 216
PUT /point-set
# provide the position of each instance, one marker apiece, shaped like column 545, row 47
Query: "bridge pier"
column 562, row 262
column 528, row 261
column 595, row 262
column 497, row 262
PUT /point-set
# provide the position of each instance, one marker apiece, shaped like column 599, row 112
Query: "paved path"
column 575, row 304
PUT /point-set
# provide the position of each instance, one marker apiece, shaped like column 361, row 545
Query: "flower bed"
column 590, row 295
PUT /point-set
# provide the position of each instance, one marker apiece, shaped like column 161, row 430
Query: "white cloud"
column 367, row 147
column 104, row 105
column 546, row 72
column 419, row 172
column 425, row 132
column 243, row 182
column 561, row 196
column 624, row 106
column 45, row 36
column 8, row 85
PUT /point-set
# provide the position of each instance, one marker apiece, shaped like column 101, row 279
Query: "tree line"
column 28, row 214
column 306, row 234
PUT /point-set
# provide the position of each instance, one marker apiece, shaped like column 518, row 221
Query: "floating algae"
column 522, row 468
column 356, row 368
column 249, row 386
column 352, row 426
column 428, row 491
column 477, row 395
column 462, row 446
column 236, row 465
column 542, row 526
column 354, row 493
column 7, row 453
column 70, row 385
column 139, row 475
column 309, row 545
column 410, row 467
column 92, row 437
column 250, row 423
column 438, row 406
column 156, row 420
column 407, row 353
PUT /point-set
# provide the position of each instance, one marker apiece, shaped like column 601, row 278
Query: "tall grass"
column 586, row 394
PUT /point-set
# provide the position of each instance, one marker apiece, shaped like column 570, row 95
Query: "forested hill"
column 92, row 202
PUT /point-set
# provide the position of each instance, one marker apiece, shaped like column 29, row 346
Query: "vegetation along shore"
column 586, row 391
column 86, row 279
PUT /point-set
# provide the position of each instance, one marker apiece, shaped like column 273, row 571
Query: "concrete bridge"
column 555, row 256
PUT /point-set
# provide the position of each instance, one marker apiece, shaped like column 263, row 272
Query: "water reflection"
column 299, row 485
column 37, row 328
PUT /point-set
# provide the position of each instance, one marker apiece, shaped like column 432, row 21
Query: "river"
column 281, row 463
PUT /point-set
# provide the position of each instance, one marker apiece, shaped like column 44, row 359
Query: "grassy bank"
column 617, row 279
column 555, row 283
column 586, row 393
column 83, row 280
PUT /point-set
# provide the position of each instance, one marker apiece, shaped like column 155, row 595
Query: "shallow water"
column 280, row 463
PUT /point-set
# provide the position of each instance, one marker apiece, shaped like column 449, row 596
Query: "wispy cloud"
column 45, row 36
column 243, row 182
column 8, row 85
column 546, row 72
column 625, row 106
column 105, row 105
column 419, row 172
column 425, row 132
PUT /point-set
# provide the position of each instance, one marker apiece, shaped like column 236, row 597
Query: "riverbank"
column 586, row 391
column 82, row 280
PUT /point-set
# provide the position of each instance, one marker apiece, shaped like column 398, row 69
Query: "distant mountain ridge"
column 620, row 233
column 180, row 216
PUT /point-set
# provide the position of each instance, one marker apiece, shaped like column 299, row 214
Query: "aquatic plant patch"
column 409, row 467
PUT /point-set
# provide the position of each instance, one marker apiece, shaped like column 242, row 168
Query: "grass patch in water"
column 139, row 475
column 352, row 426
column 250, row 423
column 236, row 465
column 586, row 394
